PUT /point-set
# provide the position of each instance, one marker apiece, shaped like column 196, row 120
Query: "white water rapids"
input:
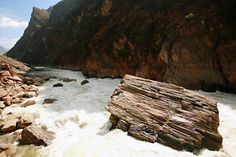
column 81, row 124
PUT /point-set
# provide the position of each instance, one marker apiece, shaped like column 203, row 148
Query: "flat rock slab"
column 165, row 113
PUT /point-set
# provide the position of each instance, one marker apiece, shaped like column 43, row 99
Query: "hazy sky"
column 14, row 18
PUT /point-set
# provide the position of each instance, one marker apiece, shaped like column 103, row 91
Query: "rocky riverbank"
column 81, row 123
column 15, row 90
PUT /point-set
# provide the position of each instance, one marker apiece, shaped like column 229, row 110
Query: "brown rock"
column 15, row 78
column 36, row 135
column 9, row 125
column 32, row 88
column 67, row 79
column 3, row 154
column 5, row 74
column 28, row 103
column 25, row 120
column 37, row 81
column 187, row 43
column 165, row 113
column 11, row 137
column 8, row 101
column 16, row 100
column 58, row 85
column 49, row 101
column 3, row 93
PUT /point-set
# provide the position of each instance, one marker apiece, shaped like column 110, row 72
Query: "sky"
column 15, row 16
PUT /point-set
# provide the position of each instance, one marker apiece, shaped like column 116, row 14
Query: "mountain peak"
column 40, row 14
column 189, row 43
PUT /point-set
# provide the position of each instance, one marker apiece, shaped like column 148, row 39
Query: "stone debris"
column 15, row 88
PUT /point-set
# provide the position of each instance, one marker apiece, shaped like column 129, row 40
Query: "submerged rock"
column 165, row 113
column 67, row 79
column 84, row 82
column 28, row 103
column 49, row 101
column 58, row 85
column 36, row 135
column 7, row 150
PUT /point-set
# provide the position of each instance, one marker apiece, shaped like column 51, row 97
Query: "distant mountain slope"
column 2, row 50
column 189, row 42
column 14, row 63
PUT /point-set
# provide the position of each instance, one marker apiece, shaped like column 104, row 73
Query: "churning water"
column 81, row 124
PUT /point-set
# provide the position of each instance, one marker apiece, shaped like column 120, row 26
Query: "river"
column 81, row 124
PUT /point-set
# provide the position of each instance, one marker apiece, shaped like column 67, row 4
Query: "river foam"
column 81, row 124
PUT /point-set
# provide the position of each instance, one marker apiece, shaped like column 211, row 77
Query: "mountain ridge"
column 188, row 43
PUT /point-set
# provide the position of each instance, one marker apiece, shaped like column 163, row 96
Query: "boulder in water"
column 58, row 85
column 49, row 101
column 84, row 82
column 36, row 135
column 160, row 112
column 28, row 103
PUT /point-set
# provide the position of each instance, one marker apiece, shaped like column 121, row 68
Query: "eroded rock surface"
column 165, row 113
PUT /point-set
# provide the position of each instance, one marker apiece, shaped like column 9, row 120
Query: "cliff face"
column 189, row 42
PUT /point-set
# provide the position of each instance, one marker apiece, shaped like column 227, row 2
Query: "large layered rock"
column 190, row 43
column 160, row 112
